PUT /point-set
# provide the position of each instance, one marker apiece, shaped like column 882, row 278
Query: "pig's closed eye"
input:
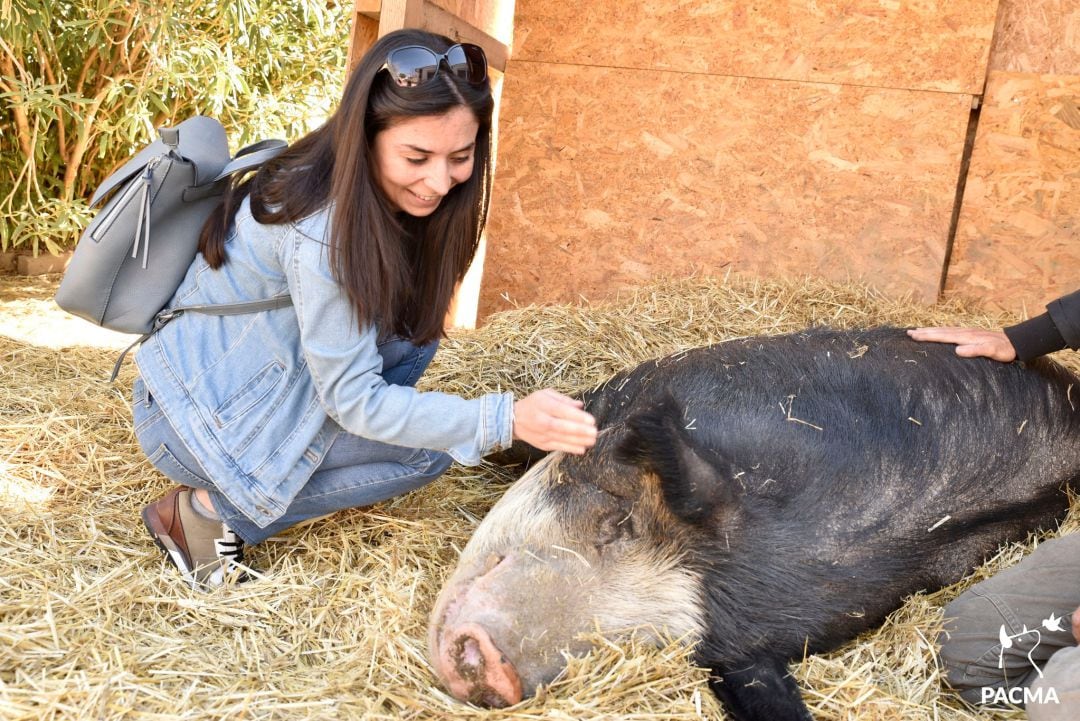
column 615, row 526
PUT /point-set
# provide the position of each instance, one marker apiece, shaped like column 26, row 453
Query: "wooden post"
column 365, row 29
column 397, row 14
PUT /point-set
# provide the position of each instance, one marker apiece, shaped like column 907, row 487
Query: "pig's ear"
column 694, row 480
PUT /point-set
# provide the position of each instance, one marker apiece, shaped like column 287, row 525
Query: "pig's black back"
column 864, row 466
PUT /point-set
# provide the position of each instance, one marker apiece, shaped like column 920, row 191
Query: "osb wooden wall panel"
column 1018, row 240
column 926, row 44
column 1037, row 36
column 608, row 177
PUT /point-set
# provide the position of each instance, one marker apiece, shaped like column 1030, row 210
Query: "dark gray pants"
column 1013, row 632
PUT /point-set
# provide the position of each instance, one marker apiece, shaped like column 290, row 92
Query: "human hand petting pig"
column 970, row 342
column 551, row 421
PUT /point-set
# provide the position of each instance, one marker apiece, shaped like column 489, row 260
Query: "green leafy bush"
column 83, row 83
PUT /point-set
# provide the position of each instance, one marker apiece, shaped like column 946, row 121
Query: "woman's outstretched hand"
column 551, row 421
column 970, row 342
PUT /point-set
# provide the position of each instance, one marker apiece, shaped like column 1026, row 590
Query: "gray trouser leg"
column 1000, row 632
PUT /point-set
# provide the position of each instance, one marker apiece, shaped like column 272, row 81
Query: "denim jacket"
column 260, row 397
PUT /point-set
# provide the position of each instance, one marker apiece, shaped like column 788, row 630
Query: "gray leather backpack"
column 130, row 260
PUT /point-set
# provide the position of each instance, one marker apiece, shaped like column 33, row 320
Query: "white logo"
column 1016, row 694
column 1050, row 624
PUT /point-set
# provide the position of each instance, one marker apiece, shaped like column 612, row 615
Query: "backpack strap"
column 247, row 306
column 252, row 156
column 168, row 314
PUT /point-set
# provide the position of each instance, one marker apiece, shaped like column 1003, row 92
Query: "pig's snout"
column 475, row 669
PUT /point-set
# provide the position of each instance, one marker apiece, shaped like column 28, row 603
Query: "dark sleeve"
column 1057, row 328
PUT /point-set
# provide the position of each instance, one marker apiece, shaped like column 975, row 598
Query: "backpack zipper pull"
column 142, row 225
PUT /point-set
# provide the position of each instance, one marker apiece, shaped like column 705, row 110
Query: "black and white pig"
column 762, row 498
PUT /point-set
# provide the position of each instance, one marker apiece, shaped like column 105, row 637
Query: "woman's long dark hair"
column 399, row 271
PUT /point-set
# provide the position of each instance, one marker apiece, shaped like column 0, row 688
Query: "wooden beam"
column 437, row 20
column 368, row 8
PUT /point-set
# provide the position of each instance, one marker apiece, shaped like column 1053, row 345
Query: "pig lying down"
column 762, row 498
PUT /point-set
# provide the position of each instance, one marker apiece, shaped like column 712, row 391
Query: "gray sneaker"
column 204, row 551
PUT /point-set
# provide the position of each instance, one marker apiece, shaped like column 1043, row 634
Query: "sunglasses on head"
column 415, row 65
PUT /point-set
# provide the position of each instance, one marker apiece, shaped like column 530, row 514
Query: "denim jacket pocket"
column 260, row 385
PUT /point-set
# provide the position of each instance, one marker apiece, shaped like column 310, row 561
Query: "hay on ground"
column 93, row 626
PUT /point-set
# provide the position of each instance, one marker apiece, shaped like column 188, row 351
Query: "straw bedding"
column 92, row 624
